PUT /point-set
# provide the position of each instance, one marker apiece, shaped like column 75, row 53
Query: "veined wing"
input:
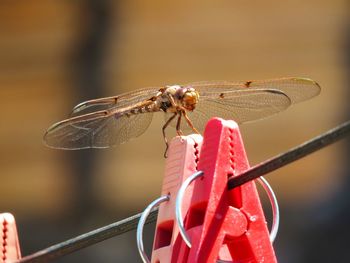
column 250, row 100
column 99, row 129
column 297, row 89
column 115, row 102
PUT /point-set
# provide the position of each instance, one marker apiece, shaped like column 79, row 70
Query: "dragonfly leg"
column 172, row 101
column 189, row 122
column 178, row 125
column 164, row 135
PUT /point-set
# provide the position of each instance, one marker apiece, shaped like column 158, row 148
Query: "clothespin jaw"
column 183, row 154
column 222, row 224
column 9, row 248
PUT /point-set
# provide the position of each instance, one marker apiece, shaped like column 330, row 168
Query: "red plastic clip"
column 226, row 225
column 182, row 161
column 10, row 250
column 221, row 224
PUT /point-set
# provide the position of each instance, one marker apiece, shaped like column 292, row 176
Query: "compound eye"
column 190, row 99
column 187, row 97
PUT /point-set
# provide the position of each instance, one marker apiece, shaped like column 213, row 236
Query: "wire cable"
column 292, row 155
column 88, row 239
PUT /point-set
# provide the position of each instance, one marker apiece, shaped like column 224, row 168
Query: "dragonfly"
column 106, row 122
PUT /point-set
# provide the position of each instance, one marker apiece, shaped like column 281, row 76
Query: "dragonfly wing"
column 297, row 89
column 115, row 102
column 96, row 130
column 240, row 106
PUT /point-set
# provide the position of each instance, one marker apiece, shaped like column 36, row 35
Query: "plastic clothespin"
column 181, row 163
column 221, row 224
column 10, row 250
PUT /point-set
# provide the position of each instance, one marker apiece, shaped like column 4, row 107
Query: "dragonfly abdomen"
column 151, row 107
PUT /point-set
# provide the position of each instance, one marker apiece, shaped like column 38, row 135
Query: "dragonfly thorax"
column 184, row 97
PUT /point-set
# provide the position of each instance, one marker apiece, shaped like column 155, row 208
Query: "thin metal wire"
column 178, row 206
column 274, row 206
column 88, row 239
column 292, row 155
column 128, row 224
column 143, row 218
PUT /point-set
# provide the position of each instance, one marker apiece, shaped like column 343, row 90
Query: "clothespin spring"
column 143, row 218
column 261, row 180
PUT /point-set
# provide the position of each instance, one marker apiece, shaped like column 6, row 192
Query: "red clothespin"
column 221, row 224
column 183, row 154
column 10, row 250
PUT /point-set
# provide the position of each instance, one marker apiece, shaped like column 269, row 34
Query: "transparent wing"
column 248, row 100
column 297, row 89
column 241, row 107
column 97, row 130
column 115, row 102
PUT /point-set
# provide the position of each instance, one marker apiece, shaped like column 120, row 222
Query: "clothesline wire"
column 130, row 223
column 291, row 155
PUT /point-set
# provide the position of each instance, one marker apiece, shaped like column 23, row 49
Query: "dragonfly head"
column 187, row 97
column 190, row 98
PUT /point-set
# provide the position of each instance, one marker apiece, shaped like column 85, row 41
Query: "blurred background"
column 55, row 54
